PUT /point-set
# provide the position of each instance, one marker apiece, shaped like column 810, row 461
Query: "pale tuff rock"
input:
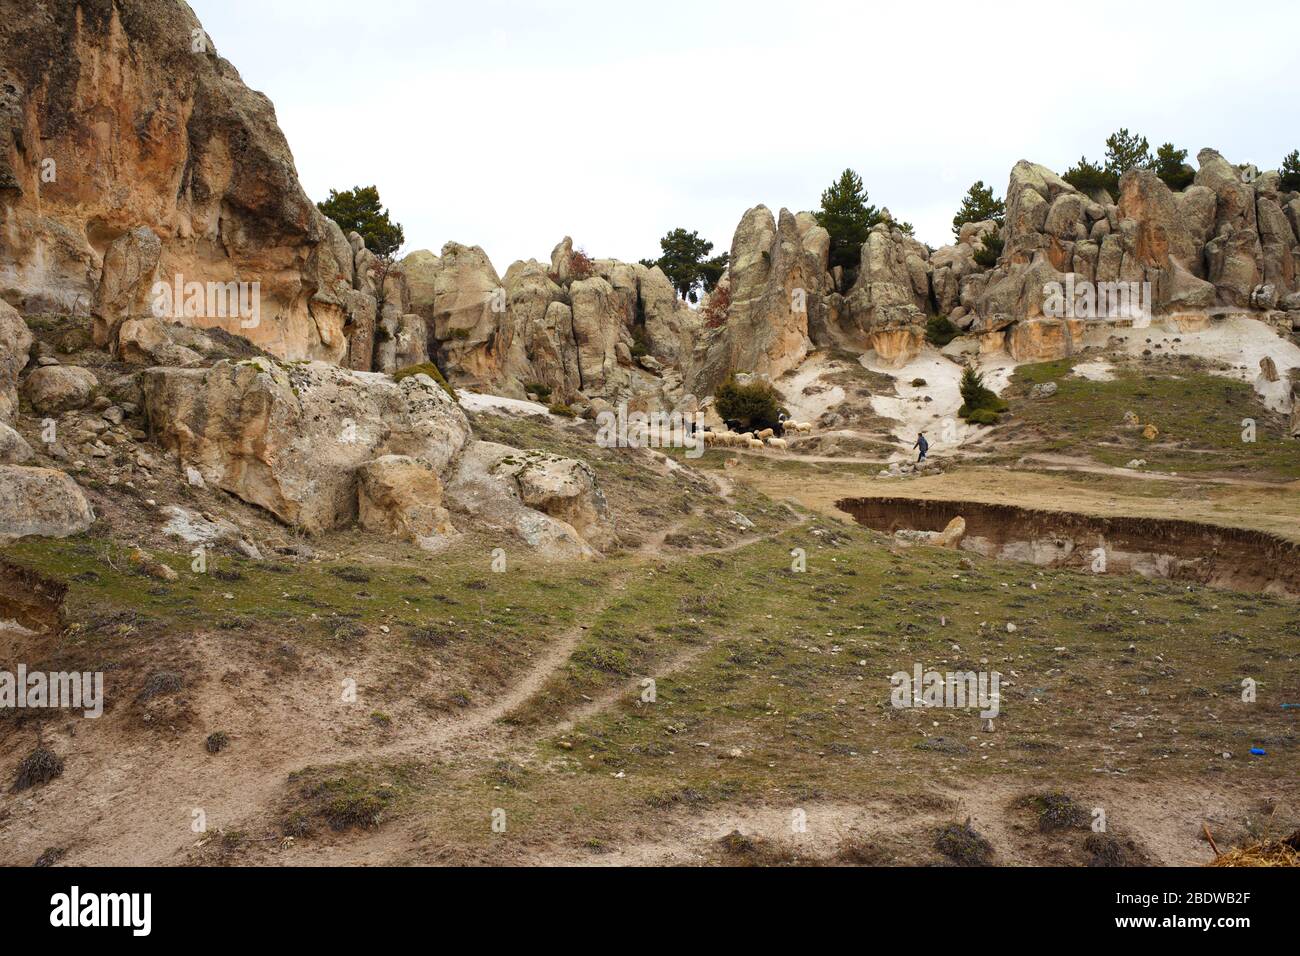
column 402, row 496
column 14, row 449
column 150, row 341
column 542, row 350
column 40, row 501
column 15, row 349
column 151, row 138
column 777, row 282
column 544, row 326
column 126, row 283
column 600, row 316
column 496, row 484
column 59, row 388
column 291, row 438
column 887, row 304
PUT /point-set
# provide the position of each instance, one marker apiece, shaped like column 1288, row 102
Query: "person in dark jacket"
column 922, row 444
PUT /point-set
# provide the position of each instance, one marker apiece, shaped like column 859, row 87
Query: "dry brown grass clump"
column 40, row 766
column 1264, row 853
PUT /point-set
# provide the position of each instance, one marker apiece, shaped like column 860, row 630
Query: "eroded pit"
column 30, row 601
column 1234, row 558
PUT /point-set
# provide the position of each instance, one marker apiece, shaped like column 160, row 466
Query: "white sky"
column 511, row 124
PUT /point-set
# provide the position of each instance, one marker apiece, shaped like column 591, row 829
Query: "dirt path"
column 138, row 811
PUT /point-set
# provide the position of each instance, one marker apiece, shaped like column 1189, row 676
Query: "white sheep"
column 778, row 443
column 754, row 443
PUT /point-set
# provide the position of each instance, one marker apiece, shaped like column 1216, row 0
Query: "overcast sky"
column 510, row 124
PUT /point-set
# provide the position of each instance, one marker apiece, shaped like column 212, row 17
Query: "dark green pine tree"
column 359, row 210
column 686, row 263
column 978, row 205
column 847, row 216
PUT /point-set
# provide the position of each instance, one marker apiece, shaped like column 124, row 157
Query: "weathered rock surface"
column 888, row 303
column 14, row 449
column 162, row 160
column 402, row 496
column 776, row 278
column 59, row 388
column 129, row 272
column 15, row 348
column 291, row 438
column 497, row 483
column 41, row 501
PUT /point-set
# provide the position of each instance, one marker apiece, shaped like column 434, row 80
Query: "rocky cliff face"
column 609, row 330
column 130, row 152
column 1228, row 242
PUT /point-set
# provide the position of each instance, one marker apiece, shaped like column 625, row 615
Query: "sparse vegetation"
column 848, row 217
column 686, row 262
column 429, row 369
column 360, row 210
column 979, row 204
column 980, row 404
column 939, row 331
column 1290, row 170
column 753, row 405
column 39, row 767
column 962, row 844
column 990, row 250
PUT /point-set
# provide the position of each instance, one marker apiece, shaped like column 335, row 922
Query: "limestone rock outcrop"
column 533, row 496
column 15, row 349
column 402, row 496
column 292, row 438
column 130, row 150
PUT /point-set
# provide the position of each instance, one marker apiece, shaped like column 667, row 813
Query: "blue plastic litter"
column 1257, row 751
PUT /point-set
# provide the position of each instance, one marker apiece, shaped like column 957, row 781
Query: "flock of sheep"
column 758, row 439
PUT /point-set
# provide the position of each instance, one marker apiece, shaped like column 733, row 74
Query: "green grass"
column 791, row 670
column 1199, row 416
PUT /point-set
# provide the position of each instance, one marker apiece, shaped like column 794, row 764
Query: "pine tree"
column 978, row 205
column 848, row 218
column 1125, row 151
column 686, row 263
column 359, row 210
column 1171, row 166
column 1290, row 172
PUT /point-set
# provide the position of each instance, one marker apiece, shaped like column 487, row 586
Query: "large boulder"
column 497, row 484
column 291, row 438
column 15, row 350
column 59, row 388
column 14, row 449
column 402, row 496
column 566, row 489
column 40, row 501
column 151, row 341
